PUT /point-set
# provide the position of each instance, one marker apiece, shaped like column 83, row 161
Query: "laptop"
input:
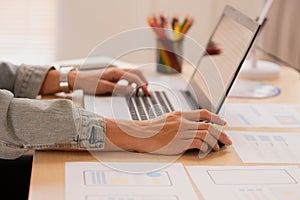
column 208, row 85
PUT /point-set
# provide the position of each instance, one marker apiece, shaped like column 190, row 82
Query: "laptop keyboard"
column 144, row 107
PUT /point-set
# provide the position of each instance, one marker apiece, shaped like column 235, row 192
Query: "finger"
column 130, row 77
column 203, row 135
column 208, row 138
column 112, row 74
column 194, row 125
column 104, row 87
column 139, row 74
column 225, row 139
column 145, row 90
column 199, row 144
column 203, row 114
column 217, row 133
column 122, row 89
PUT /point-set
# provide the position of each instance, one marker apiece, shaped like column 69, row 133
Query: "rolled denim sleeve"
column 22, row 80
column 46, row 124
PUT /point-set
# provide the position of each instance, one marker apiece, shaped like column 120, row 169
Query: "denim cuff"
column 91, row 128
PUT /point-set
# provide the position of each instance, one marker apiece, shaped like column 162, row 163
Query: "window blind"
column 27, row 31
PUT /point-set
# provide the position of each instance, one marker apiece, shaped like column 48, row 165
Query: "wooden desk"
column 48, row 171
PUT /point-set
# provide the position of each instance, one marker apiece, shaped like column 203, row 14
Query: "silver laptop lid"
column 217, row 68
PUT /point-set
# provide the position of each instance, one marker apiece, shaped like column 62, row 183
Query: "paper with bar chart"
column 267, row 147
column 262, row 115
column 105, row 181
column 247, row 182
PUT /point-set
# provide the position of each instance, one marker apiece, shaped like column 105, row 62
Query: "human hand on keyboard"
column 106, row 81
column 170, row 134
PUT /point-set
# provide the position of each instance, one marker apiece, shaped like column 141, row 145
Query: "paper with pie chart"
column 253, row 89
column 104, row 181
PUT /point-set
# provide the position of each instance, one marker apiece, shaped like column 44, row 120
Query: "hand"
column 106, row 81
column 170, row 134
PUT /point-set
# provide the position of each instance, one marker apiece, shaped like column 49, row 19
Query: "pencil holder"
column 169, row 55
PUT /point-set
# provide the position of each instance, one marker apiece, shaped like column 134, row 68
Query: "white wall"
column 84, row 24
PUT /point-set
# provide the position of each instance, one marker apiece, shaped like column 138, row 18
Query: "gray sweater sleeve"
column 8, row 74
column 42, row 124
column 23, row 80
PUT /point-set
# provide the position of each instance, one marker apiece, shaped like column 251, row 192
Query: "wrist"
column 64, row 78
column 118, row 139
column 51, row 83
column 71, row 79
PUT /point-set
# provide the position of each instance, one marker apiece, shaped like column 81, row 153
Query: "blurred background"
column 45, row 31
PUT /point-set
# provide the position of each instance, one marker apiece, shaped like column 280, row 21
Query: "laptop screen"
column 225, row 53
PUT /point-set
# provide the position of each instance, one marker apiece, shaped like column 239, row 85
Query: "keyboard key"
column 168, row 101
column 147, row 104
column 144, row 107
column 162, row 102
column 140, row 108
column 132, row 110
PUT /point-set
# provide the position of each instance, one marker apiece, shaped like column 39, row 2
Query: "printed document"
column 262, row 115
column 267, row 147
column 127, row 181
column 247, row 182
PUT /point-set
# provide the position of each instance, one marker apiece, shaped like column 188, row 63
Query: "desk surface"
column 48, row 171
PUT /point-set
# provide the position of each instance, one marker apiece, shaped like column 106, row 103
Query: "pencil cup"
column 169, row 56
